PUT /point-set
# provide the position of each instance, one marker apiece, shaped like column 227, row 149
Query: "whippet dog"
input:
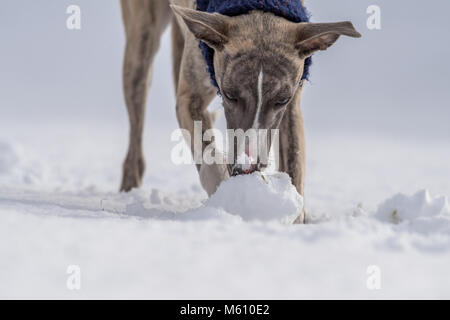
column 259, row 60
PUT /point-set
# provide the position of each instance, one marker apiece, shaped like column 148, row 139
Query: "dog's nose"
column 238, row 169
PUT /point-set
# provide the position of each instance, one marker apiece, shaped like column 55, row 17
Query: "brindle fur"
column 243, row 46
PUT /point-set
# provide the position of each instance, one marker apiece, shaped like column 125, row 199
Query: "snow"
column 59, row 206
column 420, row 212
column 259, row 196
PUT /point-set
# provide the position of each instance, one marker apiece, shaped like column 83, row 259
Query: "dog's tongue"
column 247, row 150
column 251, row 166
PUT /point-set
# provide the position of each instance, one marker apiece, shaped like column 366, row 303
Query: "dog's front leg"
column 194, row 93
column 144, row 23
column 292, row 148
column 191, row 106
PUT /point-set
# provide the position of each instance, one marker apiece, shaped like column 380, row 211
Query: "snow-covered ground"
column 59, row 206
column 378, row 171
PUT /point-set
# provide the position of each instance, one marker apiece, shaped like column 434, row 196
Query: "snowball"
column 420, row 206
column 259, row 196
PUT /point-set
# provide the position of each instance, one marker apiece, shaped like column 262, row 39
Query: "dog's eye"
column 230, row 96
column 282, row 101
column 300, row 84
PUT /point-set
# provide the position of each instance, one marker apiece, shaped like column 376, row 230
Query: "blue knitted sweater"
column 292, row 10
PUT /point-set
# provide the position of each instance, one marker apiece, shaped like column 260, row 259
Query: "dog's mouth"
column 245, row 163
column 236, row 170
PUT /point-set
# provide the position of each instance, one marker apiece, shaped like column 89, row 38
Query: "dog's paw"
column 212, row 175
column 129, row 182
column 132, row 174
column 301, row 219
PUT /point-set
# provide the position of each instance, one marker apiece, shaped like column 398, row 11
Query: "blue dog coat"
column 292, row 10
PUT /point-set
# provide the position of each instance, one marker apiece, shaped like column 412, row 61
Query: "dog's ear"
column 312, row 37
column 212, row 28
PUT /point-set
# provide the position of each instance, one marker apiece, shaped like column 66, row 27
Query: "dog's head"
column 259, row 60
